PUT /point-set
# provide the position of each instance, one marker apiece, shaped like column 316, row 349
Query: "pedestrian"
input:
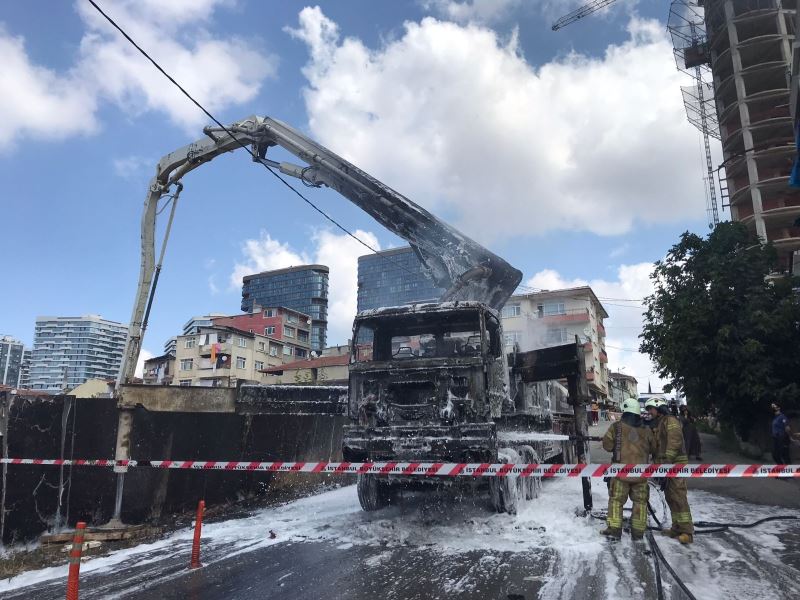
column 595, row 413
column 630, row 443
column 691, row 437
column 781, row 435
column 670, row 449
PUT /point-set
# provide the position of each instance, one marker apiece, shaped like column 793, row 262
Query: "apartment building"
column 554, row 317
column 67, row 351
column 12, row 361
column 160, row 370
column 238, row 348
column 621, row 387
column 303, row 288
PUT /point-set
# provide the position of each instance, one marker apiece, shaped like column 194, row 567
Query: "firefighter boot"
column 637, row 535
column 686, row 538
column 612, row 532
column 671, row 533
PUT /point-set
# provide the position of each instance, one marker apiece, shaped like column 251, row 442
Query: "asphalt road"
column 449, row 546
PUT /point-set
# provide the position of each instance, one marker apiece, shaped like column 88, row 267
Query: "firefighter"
column 670, row 449
column 629, row 442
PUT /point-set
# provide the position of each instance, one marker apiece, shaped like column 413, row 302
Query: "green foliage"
column 718, row 329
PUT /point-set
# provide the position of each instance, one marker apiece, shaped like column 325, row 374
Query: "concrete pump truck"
column 428, row 381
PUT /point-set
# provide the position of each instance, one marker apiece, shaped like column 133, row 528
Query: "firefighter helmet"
column 654, row 402
column 631, row 405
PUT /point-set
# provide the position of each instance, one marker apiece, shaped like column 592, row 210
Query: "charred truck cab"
column 430, row 382
column 426, row 381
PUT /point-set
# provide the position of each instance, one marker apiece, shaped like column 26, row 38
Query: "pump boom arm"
column 467, row 270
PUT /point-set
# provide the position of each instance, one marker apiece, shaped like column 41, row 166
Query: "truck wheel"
column 531, row 485
column 372, row 494
column 506, row 492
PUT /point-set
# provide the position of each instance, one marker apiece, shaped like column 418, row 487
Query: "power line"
column 226, row 130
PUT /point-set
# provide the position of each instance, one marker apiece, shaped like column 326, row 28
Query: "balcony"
column 603, row 357
column 573, row 315
column 601, row 330
column 205, row 349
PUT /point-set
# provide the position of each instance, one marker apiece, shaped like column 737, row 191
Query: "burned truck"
column 431, row 382
column 428, row 381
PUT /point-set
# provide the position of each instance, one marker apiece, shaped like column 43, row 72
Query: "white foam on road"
column 570, row 547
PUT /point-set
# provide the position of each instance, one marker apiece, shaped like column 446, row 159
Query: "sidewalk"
column 772, row 492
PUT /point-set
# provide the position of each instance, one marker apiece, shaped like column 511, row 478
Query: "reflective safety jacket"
column 669, row 436
column 636, row 444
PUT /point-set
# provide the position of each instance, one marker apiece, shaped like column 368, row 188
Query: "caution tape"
column 437, row 469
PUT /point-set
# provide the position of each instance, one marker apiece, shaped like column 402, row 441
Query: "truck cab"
column 426, row 382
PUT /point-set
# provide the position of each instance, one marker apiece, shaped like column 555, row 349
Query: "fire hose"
column 707, row 527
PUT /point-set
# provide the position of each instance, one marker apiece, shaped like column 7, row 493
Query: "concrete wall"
column 36, row 426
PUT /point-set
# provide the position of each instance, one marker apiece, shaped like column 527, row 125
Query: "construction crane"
column 580, row 12
column 687, row 28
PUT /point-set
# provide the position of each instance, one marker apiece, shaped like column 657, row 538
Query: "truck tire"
column 506, row 492
column 531, row 485
column 372, row 494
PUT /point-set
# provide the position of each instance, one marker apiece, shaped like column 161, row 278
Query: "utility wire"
column 224, row 128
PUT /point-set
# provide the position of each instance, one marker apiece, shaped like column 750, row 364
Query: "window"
column 512, row 337
column 270, row 312
column 185, row 382
column 290, row 318
column 557, row 335
column 551, row 308
column 187, row 364
column 302, row 336
column 300, row 352
column 288, row 331
column 261, row 346
column 269, row 330
column 189, row 342
column 287, row 350
column 241, row 363
column 241, row 342
column 259, row 365
column 511, row 310
column 274, row 350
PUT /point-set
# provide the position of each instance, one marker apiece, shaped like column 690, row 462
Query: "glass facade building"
column 12, row 361
column 67, row 351
column 393, row 278
column 303, row 288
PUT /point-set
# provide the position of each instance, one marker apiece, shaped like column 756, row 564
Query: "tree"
column 722, row 331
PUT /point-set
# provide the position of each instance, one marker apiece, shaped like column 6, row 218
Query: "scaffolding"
column 690, row 48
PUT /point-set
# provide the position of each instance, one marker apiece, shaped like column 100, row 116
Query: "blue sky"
column 567, row 153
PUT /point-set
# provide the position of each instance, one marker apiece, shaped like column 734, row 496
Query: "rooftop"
column 287, row 270
column 573, row 292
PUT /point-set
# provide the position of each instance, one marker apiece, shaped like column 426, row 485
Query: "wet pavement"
column 439, row 547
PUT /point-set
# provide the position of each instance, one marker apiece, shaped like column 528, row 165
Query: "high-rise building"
column 12, row 362
column 393, row 278
column 555, row 317
column 303, row 288
column 749, row 46
column 69, row 350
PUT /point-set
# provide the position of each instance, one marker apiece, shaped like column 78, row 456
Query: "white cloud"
column 338, row 252
column 264, row 254
column 128, row 166
column 580, row 143
column 40, row 103
column 625, row 318
column 482, row 11
column 143, row 356
column 619, row 250
column 217, row 72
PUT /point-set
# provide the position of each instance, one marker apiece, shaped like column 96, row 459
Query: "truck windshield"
column 410, row 336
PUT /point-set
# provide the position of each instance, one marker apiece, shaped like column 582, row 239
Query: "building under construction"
column 749, row 44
